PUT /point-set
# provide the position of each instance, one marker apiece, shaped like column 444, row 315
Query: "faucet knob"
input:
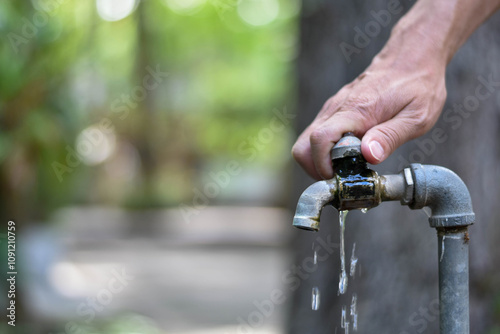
column 358, row 185
column 348, row 146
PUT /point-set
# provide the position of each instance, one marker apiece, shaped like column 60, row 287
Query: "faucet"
column 355, row 186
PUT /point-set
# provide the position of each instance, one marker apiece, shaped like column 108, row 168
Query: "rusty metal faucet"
column 355, row 186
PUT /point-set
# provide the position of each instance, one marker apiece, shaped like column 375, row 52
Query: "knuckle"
column 421, row 120
column 317, row 136
column 298, row 153
column 328, row 103
column 391, row 137
column 360, row 103
column 363, row 109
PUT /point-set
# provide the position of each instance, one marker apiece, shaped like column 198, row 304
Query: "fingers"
column 385, row 106
column 383, row 139
column 301, row 152
column 312, row 149
column 380, row 137
column 323, row 138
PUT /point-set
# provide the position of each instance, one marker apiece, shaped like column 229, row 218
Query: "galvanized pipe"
column 447, row 196
column 453, row 255
column 444, row 193
column 417, row 186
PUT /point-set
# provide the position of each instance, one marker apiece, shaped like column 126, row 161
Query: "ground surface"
column 175, row 276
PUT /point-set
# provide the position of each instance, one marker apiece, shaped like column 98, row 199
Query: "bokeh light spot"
column 185, row 7
column 258, row 12
column 94, row 145
column 115, row 10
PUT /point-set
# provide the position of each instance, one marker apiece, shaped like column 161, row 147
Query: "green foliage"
column 64, row 74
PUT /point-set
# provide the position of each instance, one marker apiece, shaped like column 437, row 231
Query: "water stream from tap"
column 315, row 295
column 349, row 316
column 353, row 312
column 442, row 248
column 343, row 281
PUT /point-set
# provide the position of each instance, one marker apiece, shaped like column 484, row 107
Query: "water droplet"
column 342, row 283
column 315, row 257
column 354, row 312
column 343, row 276
column 344, row 323
column 364, row 210
column 315, row 298
column 354, row 261
column 427, row 211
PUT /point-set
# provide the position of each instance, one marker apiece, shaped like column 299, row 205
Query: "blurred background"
column 149, row 141
column 145, row 161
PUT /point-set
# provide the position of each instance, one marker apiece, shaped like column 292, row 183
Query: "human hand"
column 400, row 95
column 393, row 101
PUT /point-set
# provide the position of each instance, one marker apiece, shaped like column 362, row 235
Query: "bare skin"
column 401, row 94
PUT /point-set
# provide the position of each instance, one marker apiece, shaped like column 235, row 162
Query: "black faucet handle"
column 348, row 146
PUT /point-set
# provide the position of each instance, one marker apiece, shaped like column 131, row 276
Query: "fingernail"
column 376, row 150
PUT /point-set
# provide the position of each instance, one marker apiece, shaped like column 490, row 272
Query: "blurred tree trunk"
column 396, row 282
column 144, row 137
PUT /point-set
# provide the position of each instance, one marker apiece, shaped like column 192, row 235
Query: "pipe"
column 417, row 186
column 453, row 255
column 311, row 202
column 444, row 193
column 447, row 196
column 393, row 187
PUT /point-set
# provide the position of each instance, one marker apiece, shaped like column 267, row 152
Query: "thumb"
column 382, row 140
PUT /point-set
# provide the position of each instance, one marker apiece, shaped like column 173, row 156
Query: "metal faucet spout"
column 311, row 202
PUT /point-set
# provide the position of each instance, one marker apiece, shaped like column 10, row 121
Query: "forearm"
column 436, row 29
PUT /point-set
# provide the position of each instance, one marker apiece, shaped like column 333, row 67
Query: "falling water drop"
column 344, row 323
column 427, row 211
column 354, row 312
column 343, row 276
column 354, row 261
column 364, row 210
column 343, row 317
column 315, row 258
column 315, row 298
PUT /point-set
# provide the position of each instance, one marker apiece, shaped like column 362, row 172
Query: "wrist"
column 416, row 42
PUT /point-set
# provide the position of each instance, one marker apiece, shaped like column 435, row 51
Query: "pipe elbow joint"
column 444, row 193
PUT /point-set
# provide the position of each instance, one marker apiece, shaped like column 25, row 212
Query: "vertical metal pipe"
column 453, row 256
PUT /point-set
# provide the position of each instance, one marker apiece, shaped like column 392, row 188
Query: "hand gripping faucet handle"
column 346, row 155
column 348, row 146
